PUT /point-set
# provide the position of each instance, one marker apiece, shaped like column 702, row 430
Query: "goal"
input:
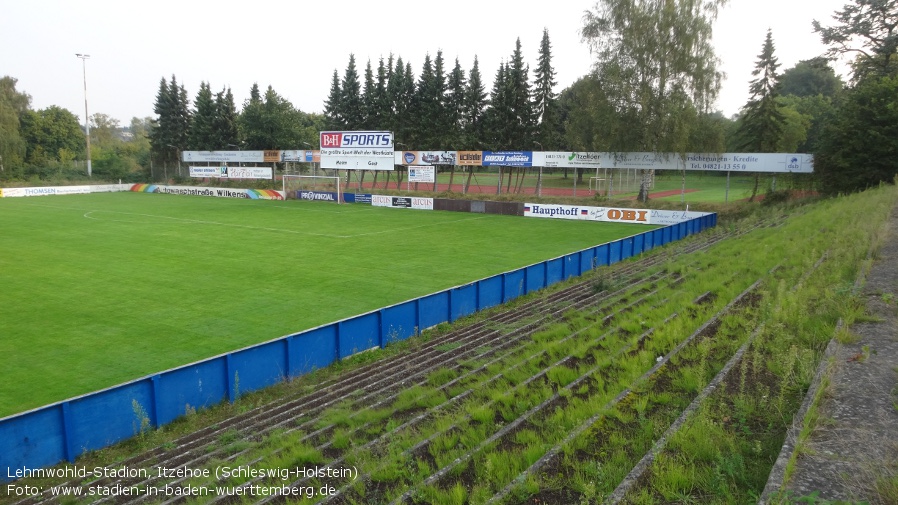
column 313, row 187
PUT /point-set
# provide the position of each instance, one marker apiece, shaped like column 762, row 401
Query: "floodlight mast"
column 84, row 58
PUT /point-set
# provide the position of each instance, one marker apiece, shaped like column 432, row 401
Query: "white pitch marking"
column 89, row 215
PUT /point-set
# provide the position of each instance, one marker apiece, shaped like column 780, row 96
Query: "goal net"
column 313, row 187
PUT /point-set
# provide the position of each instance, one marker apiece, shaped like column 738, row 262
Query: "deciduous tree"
column 657, row 66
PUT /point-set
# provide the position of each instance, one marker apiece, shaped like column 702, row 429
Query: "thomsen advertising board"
column 609, row 214
column 44, row 191
column 402, row 202
column 357, row 150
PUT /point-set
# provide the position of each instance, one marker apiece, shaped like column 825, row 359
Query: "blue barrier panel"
column 195, row 386
column 572, row 265
column 433, row 309
column 614, row 252
column 626, row 248
column 259, row 366
column 536, row 277
column 32, row 440
column 490, row 291
column 109, row 416
column 587, row 259
column 638, row 244
column 603, row 255
column 514, row 284
column 554, row 271
column 668, row 236
column 648, row 240
column 399, row 322
column 359, row 334
column 658, row 237
column 313, row 349
column 464, row 301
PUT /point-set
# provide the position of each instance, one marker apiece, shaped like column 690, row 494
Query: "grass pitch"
column 104, row 288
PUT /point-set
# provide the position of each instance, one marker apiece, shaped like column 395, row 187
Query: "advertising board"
column 609, row 214
column 469, row 158
column 507, row 159
column 402, row 202
column 251, row 194
column 224, row 156
column 357, row 150
column 421, row 174
column 45, row 191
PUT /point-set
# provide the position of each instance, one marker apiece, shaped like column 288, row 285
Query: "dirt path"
column 852, row 453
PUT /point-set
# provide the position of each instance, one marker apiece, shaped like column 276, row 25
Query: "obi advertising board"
column 609, row 214
column 357, row 150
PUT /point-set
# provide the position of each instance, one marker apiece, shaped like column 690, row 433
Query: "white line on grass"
column 88, row 215
column 199, row 221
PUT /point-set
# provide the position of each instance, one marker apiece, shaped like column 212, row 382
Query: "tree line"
column 652, row 87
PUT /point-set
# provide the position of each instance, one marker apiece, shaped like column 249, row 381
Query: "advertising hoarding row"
column 374, row 150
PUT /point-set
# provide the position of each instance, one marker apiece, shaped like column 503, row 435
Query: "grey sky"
column 295, row 46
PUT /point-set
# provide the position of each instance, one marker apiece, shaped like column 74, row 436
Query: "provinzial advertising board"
column 321, row 196
column 402, row 202
column 357, row 150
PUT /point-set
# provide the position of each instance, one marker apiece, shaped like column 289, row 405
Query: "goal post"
column 313, row 187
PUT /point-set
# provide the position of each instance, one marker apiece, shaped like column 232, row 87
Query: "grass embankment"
column 100, row 289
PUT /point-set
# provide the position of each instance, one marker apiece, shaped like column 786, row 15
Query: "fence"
column 65, row 430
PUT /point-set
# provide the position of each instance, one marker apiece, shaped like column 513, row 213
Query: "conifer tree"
column 497, row 117
column 351, row 109
column 202, row 135
column 382, row 111
column 369, row 108
column 332, row 107
column 521, row 108
column 475, row 104
column 226, row 120
column 455, row 108
column 761, row 125
column 545, row 101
